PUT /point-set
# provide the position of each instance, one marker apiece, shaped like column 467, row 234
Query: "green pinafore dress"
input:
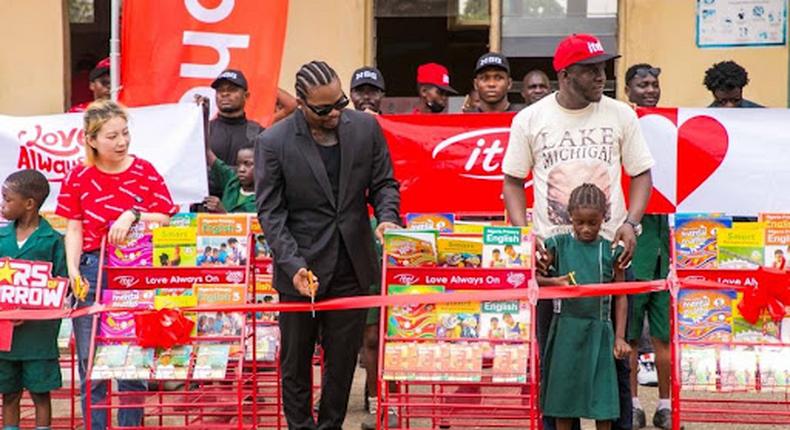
column 579, row 378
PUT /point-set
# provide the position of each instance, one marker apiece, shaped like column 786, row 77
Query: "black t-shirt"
column 330, row 155
column 344, row 279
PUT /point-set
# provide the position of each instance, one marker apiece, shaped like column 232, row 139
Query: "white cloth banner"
column 168, row 136
column 720, row 160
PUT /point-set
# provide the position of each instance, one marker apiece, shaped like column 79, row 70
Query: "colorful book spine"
column 459, row 251
column 137, row 250
column 441, row 222
column 410, row 248
column 413, row 321
column 741, row 247
column 504, row 247
column 175, row 247
column 222, row 239
column 121, row 324
column 705, row 315
column 696, row 245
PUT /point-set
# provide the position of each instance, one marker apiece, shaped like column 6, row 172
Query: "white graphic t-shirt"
column 566, row 148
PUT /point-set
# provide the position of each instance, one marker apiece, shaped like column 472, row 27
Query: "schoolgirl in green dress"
column 579, row 378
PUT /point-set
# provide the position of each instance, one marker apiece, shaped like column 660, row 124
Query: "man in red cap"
column 575, row 136
column 433, row 85
column 99, row 85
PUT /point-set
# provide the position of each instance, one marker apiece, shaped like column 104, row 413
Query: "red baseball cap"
column 580, row 49
column 436, row 75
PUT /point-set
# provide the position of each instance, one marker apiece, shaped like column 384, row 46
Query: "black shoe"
column 640, row 420
column 663, row 419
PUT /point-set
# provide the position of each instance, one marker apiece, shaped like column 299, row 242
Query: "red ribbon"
column 772, row 294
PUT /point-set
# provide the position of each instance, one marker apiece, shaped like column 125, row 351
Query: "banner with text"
column 162, row 135
column 173, row 49
column 707, row 160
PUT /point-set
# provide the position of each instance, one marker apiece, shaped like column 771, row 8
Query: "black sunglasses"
column 643, row 72
column 325, row 110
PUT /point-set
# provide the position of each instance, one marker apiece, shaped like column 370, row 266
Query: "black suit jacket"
column 296, row 206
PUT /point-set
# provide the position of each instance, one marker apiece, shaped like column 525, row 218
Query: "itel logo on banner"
column 126, row 281
column 483, row 150
column 406, row 278
column 51, row 152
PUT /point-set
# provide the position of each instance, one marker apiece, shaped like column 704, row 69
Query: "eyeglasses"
column 325, row 110
column 643, row 72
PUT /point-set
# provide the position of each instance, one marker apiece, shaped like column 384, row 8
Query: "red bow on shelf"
column 773, row 294
column 164, row 328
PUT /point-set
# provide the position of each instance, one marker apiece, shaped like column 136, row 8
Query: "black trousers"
column 545, row 311
column 340, row 335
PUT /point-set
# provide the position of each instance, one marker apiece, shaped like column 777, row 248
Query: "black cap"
column 368, row 76
column 102, row 68
column 492, row 59
column 235, row 77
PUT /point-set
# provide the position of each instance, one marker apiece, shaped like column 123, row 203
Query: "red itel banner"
column 173, row 49
column 449, row 162
column 707, row 160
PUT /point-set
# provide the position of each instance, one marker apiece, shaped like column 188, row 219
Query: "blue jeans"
column 83, row 333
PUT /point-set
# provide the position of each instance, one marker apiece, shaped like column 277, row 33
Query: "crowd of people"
column 311, row 177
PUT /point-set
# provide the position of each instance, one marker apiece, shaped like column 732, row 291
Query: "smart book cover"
column 456, row 251
column 741, row 247
column 696, row 245
column 222, row 239
column 410, row 321
column 458, row 320
column 175, row 247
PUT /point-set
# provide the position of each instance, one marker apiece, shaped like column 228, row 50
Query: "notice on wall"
column 727, row 23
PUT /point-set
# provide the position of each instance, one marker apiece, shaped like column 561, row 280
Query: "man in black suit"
column 316, row 173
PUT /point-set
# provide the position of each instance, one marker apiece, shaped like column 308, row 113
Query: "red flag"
column 173, row 49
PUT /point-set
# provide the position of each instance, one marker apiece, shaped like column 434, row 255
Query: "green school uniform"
column 35, row 340
column 233, row 198
column 579, row 378
column 651, row 261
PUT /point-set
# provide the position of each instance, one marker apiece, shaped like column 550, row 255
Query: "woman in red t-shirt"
column 106, row 196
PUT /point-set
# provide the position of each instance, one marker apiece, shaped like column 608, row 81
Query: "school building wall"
column 663, row 33
column 336, row 31
column 33, row 67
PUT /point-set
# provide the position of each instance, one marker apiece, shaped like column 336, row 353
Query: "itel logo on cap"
column 481, row 152
column 594, row 47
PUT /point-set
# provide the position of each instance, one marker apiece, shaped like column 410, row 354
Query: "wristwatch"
column 136, row 214
column 637, row 226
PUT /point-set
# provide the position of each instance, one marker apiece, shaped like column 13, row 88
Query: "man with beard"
column 536, row 85
column 651, row 261
column 316, row 173
column 492, row 82
column 576, row 136
column 367, row 89
column 433, row 86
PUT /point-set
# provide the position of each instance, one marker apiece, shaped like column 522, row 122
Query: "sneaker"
column 369, row 423
column 640, row 419
column 663, row 419
column 646, row 374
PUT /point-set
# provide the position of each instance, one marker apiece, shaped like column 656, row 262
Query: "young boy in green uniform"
column 579, row 378
column 238, row 187
column 32, row 362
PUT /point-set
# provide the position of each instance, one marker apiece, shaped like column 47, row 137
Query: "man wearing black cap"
column 231, row 129
column 99, row 85
column 492, row 82
column 367, row 89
